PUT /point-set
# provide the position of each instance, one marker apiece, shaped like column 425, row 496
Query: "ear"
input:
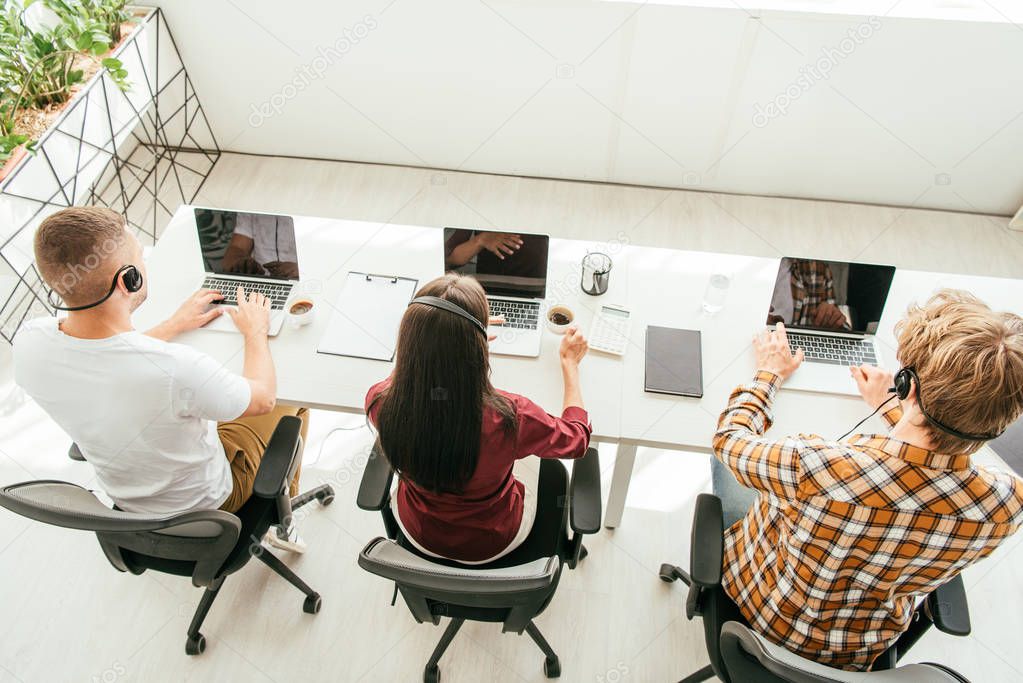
column 911, row 396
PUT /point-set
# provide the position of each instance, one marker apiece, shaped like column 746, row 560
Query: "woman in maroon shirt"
column 454, row 439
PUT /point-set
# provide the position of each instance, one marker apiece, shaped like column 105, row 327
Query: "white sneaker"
column 292, row 542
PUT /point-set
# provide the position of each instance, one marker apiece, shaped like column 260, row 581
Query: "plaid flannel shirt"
column 812, row 284
column 830, row 562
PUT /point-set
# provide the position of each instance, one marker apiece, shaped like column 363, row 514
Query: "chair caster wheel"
column 667, row 573
column 431, row 674
column 312, row 604
column 327, row 498
column 195, row 646
column 552, row 667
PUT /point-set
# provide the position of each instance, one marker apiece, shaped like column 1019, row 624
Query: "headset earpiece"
column 903, row 383
column 132, row 278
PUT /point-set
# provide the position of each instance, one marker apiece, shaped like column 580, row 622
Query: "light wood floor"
column 69, row 616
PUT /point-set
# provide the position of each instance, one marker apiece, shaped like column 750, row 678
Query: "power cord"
column 338, row 429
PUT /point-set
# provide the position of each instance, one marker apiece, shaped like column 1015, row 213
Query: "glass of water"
column 716, row 292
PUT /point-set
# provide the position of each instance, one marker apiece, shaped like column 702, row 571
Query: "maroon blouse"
column 485, row 518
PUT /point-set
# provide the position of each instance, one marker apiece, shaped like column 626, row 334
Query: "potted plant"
column 47, row 49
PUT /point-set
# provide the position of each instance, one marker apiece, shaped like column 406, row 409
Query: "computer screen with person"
column 505, row 263
column 836, row 296
column 244, row 243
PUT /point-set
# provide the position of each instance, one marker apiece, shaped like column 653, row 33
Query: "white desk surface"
column 327, row 250
column 659, row 286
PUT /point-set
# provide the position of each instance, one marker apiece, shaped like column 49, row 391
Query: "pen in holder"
column 596, row 273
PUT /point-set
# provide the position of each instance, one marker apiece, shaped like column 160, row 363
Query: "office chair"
column 207, row 545
column 512, row 590
column 737, row 654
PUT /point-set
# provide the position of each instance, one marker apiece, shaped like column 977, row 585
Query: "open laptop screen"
column 243, row 243
column 837, row 296
column 506, row 264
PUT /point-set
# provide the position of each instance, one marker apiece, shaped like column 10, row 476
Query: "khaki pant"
column 245, row 440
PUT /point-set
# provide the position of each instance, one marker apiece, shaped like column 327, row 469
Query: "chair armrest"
column 584, row 494
column 272, row 476
column 707, row 544
column 387, row 559
column 375, row 487
column 948, row 609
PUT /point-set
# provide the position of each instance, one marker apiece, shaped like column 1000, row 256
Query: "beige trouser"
column 245, row 440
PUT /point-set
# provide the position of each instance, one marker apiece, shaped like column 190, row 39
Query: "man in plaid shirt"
column 845, row 536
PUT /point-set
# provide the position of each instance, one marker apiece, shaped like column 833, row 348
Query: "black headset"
column 132, row 282
column 450, row 307
column 903, row 382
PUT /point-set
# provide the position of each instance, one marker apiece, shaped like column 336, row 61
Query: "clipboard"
column 366, row 316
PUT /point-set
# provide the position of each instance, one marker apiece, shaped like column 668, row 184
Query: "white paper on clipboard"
column 365, row 319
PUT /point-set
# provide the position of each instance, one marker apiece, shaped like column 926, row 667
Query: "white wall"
column 921, row 112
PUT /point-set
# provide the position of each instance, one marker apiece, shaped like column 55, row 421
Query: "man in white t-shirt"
column 145, row 411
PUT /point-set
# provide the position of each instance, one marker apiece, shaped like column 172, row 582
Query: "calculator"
column 610, row 330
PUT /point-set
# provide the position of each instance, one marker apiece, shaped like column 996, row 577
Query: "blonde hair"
column 970, row 363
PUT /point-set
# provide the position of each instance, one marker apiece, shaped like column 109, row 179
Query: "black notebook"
column 674, row 362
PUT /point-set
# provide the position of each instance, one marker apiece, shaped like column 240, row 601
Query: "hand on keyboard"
column 196, row 311
column 772, row 352
column 252, row 317
column 493, row 321
column 873, row 383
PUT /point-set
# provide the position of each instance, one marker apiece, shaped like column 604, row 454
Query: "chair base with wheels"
column 737, row 654
column 511, row 591
column 206, row 545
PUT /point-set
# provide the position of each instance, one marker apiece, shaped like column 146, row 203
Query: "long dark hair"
column 431, row 416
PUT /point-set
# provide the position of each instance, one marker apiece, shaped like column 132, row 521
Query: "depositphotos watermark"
column 812, row 74
column 326, row 57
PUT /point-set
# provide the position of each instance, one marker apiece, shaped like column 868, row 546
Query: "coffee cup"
column 559, row 318
column 301, row 311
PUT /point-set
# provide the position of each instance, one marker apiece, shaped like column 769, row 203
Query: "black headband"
column 444, row 304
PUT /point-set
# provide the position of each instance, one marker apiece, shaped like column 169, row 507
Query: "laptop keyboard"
column 276, row 292
column 833, row 350
column 524, row 315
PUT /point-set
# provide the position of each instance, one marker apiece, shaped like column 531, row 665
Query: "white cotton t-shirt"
column 143, row 412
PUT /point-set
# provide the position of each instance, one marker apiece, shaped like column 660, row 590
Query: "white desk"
column 327, row 250
column 667, row 288
column 659, row 286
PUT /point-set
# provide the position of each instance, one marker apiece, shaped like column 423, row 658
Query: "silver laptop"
column 512, row 267
column 255, row 251
column 831, row 310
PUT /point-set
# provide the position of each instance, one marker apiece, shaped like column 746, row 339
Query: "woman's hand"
column 494, row 321
column 573, row 347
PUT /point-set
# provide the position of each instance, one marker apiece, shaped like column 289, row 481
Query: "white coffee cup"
column 301, row 311
column 564, row 315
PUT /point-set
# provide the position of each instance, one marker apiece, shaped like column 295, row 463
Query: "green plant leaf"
column 111, row 63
